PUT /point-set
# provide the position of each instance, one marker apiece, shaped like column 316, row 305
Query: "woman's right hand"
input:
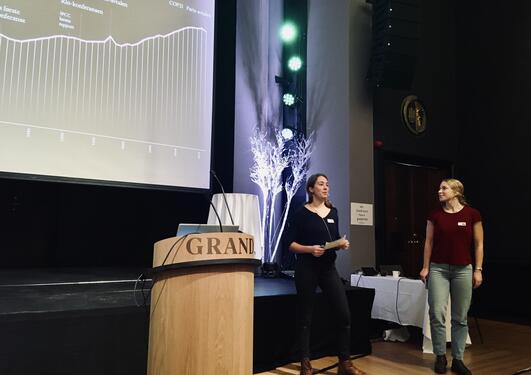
column 317, row 250
column 424, row 273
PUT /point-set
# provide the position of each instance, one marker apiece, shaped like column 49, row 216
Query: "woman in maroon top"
column 452, row 231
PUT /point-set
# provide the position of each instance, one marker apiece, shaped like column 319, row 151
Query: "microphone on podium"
column 215, row 212
column 224, row 197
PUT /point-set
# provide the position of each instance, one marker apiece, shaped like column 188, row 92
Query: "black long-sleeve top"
column 308, row 228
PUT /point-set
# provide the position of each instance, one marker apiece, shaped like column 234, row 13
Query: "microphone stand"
column 224, row 197
column 215, row 212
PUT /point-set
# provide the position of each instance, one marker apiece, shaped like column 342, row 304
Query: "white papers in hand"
column 333, row 244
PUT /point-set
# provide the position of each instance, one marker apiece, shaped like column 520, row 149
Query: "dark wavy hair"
column 311, row 183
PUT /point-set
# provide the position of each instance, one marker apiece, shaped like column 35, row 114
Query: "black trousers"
column 309, row 275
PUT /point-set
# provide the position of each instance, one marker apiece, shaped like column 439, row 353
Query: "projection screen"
column 107, row 90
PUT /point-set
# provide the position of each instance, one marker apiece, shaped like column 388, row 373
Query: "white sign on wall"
column 360, row 213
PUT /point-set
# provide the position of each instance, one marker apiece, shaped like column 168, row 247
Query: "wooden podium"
column 202, row 305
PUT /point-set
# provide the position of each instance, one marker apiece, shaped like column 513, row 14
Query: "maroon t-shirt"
column 453, row 235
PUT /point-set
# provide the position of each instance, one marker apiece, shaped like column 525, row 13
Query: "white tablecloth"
column 410, row 308
column 245, row 210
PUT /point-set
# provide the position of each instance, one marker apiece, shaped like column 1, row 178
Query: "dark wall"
column 494, row 115
column 473, row 74
column 224, row 70
column 54, row 224
column 57, row 224
column 494, row 91
column 434, row 84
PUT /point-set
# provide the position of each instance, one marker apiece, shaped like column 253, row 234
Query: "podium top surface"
column 205, row 248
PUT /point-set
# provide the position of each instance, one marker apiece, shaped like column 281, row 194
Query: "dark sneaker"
column 440, row 364
column 459, row 367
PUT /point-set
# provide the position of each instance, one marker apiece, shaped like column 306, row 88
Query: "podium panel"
column 202, row 305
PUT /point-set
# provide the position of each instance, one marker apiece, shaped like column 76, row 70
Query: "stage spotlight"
column 288, row 32
column 287, row 134
column 294, row 63
column 288, row 99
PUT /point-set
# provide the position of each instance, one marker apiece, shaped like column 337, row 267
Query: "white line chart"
column 154, row 90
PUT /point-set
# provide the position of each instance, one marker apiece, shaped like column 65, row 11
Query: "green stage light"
column 294, row 63
column 288, row 99
column 288, row 32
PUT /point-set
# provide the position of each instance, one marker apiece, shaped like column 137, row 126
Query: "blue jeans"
column 456, row 281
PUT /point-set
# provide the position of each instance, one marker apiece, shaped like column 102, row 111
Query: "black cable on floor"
column 143, row 277
column 522, row 371
column 396, row 302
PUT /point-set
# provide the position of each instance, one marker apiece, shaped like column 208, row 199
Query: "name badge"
column 331, row 221
column 461, row 223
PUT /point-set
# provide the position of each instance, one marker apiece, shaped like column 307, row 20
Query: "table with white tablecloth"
column 403, row 301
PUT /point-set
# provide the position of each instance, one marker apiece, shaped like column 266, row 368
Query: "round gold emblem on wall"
column 414, row 114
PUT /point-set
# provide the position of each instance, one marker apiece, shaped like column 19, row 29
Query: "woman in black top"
column 314, row 224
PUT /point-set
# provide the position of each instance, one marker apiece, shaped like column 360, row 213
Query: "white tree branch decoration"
column 271, row 158
column 299, row 156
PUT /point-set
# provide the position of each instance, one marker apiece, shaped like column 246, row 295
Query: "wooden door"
column 410, row 193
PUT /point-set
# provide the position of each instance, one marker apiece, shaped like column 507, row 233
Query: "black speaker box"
column 395, row 25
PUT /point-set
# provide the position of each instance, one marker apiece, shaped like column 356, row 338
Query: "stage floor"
column 31, row 291
column 103, row 314
column 27, row 291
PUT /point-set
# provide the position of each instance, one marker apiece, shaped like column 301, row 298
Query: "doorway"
column 407, row 192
